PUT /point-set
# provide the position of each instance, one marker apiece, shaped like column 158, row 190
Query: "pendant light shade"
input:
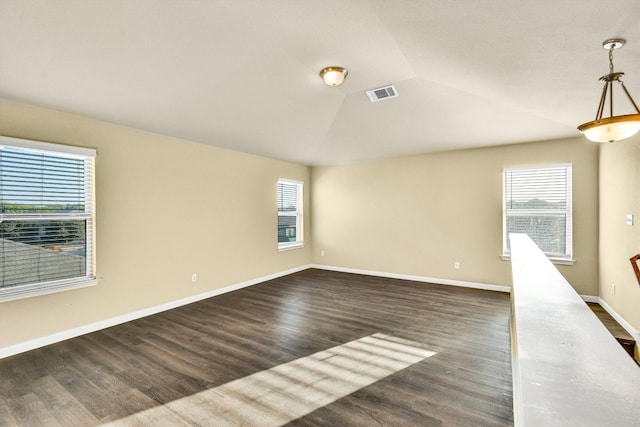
column 612, row 128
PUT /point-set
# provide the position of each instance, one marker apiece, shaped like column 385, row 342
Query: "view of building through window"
column 537, row 202
column 45, row 216
column 289, row 213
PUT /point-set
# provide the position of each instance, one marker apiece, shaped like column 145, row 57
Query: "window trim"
column 52, row 286
column 566, row 259
column 298, row 214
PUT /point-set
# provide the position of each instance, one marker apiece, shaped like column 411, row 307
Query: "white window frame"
column 15, row 292
column 567, row 257
column 297, row 214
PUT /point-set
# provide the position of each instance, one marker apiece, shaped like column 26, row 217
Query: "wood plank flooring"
column 139, row 372
column 621, row 335
column 608, row 321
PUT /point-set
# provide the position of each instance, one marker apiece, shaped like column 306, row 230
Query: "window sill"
column 13, row 293
column 289, row 246
column 557, row 261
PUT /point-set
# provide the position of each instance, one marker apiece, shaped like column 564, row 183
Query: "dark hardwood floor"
column 138, row 373
column 619, row 333
column 608, row 321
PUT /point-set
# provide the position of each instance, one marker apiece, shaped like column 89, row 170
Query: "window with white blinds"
column 289, row 214
column 537, row 202
column 46, row 218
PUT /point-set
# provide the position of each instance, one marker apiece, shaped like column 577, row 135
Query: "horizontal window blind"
column 46, row 215
column 289, row 213
column 536, row 188
column 287, row 196
column 537, row 202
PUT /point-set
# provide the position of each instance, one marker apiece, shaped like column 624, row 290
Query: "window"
column 46, row 218
column 289, row 214
column 537, row 202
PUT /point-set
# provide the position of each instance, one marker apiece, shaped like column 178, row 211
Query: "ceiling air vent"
column 382, row 93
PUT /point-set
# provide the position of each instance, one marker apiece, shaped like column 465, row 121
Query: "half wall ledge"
column 568, row 370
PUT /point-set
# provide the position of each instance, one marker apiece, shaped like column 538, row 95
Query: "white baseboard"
column 626, row 325
column 475, row 285
column 107, row 323
column 590, row 298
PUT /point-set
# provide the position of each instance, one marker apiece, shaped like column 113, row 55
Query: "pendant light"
column 612, row 128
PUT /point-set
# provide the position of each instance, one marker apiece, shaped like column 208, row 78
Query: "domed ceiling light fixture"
column 612, row 128
column 333, row 76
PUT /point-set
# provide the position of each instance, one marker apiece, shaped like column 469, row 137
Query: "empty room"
column 339, row 213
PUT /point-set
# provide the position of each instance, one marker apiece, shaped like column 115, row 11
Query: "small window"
column 537, row 202
column 289, row 214
column 46, row 218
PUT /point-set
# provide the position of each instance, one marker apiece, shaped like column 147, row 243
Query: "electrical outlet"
column 456, row 265
column 322, row 253
column 194, row 277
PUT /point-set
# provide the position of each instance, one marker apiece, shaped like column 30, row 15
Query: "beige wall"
column 418, row 215
column 619, row 196
column 165, row 209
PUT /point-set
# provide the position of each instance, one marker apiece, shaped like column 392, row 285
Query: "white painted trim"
column 106, row 323
column 30, row 144
column 557, row 261
column 626, row 325
column 290, row 245
column 590, row 298
column 474, row 285
column 14, row 293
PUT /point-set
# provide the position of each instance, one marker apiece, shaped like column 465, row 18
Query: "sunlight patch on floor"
column 289, row 391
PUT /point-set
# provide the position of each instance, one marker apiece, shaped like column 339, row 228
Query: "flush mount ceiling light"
column 333, row 76
column 612, row 128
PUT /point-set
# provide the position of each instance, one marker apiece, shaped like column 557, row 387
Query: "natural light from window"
column 292, row 390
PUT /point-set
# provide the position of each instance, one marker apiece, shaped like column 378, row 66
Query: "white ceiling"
column 243, row 74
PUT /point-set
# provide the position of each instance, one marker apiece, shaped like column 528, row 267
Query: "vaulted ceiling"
column 243, row 74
